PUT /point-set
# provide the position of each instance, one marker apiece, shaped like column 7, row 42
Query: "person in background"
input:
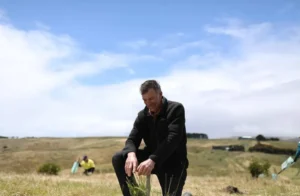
column 87, row 164
column 297, row 153
column 161, row 124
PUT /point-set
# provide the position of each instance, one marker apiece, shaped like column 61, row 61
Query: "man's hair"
column 150, row 84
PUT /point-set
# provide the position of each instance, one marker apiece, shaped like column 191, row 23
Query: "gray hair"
column 150, row 84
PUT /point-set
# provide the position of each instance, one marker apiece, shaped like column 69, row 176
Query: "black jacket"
column 165, row 137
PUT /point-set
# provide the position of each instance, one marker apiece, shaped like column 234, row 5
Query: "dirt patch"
column 232, row 190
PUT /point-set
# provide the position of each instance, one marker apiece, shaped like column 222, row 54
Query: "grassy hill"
column 209, row 171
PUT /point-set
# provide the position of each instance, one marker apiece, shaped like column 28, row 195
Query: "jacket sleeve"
column 80, row 163
column 135, row 137
column 175, row 129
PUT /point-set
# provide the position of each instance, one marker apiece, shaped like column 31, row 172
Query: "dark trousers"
column 170, row 180
column 91, row 170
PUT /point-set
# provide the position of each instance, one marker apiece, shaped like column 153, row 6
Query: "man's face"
column 152, row 99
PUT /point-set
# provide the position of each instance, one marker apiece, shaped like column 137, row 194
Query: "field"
column 209, row 172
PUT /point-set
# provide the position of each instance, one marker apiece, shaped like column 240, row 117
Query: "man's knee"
column 118, row 158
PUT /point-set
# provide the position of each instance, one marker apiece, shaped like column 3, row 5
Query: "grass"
column 105, row 184
column 209, row 172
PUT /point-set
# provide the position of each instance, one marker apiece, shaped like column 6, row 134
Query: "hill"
column 209, row 171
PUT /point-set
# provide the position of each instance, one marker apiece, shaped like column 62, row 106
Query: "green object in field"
column 286, row 164
column 75, row 167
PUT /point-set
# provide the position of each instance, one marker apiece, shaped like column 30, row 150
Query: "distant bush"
column 260, row 138
column 263, row 138
column 274, row 139
column 49, row 168
column 271, row 149
column 236, row 148
column 256, row 168
column 230, row 148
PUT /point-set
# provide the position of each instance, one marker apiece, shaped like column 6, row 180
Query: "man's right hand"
column 131, row 163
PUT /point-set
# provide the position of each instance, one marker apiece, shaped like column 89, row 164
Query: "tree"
column 260, row 138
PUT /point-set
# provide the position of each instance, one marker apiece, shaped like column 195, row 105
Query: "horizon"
column 73, row 69
column 125, row 136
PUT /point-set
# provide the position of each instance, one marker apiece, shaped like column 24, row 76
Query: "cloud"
column 255, row 89
column 39, row 74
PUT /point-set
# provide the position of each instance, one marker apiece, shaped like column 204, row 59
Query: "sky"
column 74, row 68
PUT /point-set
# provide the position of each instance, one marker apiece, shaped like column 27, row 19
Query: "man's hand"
column 146, row 167
column 131, row 163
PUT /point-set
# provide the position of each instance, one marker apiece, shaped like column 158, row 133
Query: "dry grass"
column 106, row 184
column 209, row 171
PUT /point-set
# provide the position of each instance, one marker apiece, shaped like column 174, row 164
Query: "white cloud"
column 256, row 91
column 39, row 90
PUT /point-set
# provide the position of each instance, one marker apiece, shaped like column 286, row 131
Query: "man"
column 87, row 164
column 161, row 124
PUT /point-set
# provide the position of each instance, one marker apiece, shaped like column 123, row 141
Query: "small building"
column 246, row 138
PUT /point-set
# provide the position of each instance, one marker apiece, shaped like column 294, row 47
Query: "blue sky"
column 205, row 53
column 104, row 25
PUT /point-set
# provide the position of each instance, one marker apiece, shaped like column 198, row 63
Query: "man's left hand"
column 146, row 167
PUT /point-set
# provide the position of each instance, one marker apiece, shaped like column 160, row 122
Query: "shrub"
column 256, row 168
column 260, row 138
column 263, row 138
column 271, row 149
column 230, row 148
column 49, row 168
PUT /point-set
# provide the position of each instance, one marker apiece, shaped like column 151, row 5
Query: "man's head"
column 85, row 158
column 152, row 95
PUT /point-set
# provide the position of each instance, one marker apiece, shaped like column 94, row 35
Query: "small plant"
column 137, row 186
column 49, row 168
column 256, row 168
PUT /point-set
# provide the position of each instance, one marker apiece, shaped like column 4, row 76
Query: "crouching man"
column 161, row 124
column 87, row 164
